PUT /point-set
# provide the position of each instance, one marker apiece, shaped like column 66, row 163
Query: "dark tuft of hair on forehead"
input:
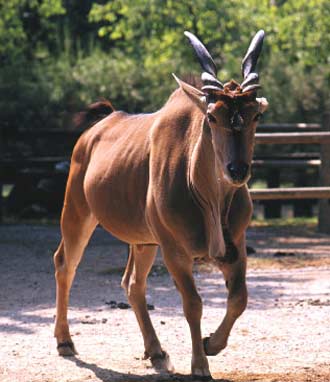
column 231, row 86
column 231, row 92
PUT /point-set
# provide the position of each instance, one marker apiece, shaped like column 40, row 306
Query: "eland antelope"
column 176, row 179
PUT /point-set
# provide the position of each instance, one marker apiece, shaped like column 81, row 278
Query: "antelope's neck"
column 205, row 176
column 210, row 192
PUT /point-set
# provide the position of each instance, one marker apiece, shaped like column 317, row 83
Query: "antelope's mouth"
column 238, row 173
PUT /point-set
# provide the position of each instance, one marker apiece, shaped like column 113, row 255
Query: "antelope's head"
column 232, row 110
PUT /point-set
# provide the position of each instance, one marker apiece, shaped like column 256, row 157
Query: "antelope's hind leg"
column 134, row 281
column 77, row 229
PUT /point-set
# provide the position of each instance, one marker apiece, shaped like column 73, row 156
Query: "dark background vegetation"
column 58, row 55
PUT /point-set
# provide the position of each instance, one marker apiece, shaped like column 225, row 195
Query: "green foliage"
column 23, row 25
column 57, row 55
column 294, row 64
column 12, row 36
column 35, row 95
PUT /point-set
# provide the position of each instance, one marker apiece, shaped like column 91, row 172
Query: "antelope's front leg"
column 236, row 302
column 180, row 267
column 134, row 280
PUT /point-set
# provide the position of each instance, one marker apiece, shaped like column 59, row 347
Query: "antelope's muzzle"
column 238, row 171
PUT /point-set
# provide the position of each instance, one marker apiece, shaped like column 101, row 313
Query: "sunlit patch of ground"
column 283, row 336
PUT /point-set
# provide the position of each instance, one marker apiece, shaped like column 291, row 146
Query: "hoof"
column 202, row 378
column 206, row 346
column 66, row 349
column 162, row 363
column 200, row 369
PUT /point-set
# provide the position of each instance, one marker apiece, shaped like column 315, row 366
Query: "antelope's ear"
column 197, row 96
column 263, row 104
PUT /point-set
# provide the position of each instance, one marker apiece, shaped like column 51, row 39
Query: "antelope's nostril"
column 238, row 170
column 237, row 122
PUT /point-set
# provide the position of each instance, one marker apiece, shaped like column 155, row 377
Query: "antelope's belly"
column 116, row 194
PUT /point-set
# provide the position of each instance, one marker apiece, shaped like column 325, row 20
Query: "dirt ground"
column 283, row 335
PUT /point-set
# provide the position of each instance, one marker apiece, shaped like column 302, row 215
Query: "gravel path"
column 283, row 335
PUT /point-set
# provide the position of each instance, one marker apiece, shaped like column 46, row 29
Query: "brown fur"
column 161, row 179
column 93, row 113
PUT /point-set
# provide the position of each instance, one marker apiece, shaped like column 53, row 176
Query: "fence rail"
column 293, row 138
column 307, row 134
column 277, row 134
column 262, row 128
column 291, row 193
column 288, row 127
column 285, row 163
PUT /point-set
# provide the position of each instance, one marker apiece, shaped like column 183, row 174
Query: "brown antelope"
column 175, row 178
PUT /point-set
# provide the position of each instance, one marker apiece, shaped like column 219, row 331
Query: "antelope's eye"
column 257, row 117
column 211, row 118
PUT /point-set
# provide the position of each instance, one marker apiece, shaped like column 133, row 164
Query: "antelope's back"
column 136, row 164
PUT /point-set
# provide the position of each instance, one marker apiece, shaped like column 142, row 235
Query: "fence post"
column 273, row 207
column 324, row 204
column 1, row 180
column 303, row 207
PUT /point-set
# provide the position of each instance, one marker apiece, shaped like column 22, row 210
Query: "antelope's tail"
column 93, row 114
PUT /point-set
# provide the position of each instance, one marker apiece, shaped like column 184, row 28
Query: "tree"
column 24, row 25
column 126, row 50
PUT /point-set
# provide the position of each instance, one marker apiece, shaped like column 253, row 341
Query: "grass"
column 6, row 190
column 258, row 184
column 12, row 220
column 282, row 222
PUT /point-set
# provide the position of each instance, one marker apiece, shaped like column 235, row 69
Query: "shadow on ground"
column 108, row 375
column 26, row 256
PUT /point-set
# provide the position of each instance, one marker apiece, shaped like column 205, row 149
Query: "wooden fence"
column 11, row 164
column 300, row 134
